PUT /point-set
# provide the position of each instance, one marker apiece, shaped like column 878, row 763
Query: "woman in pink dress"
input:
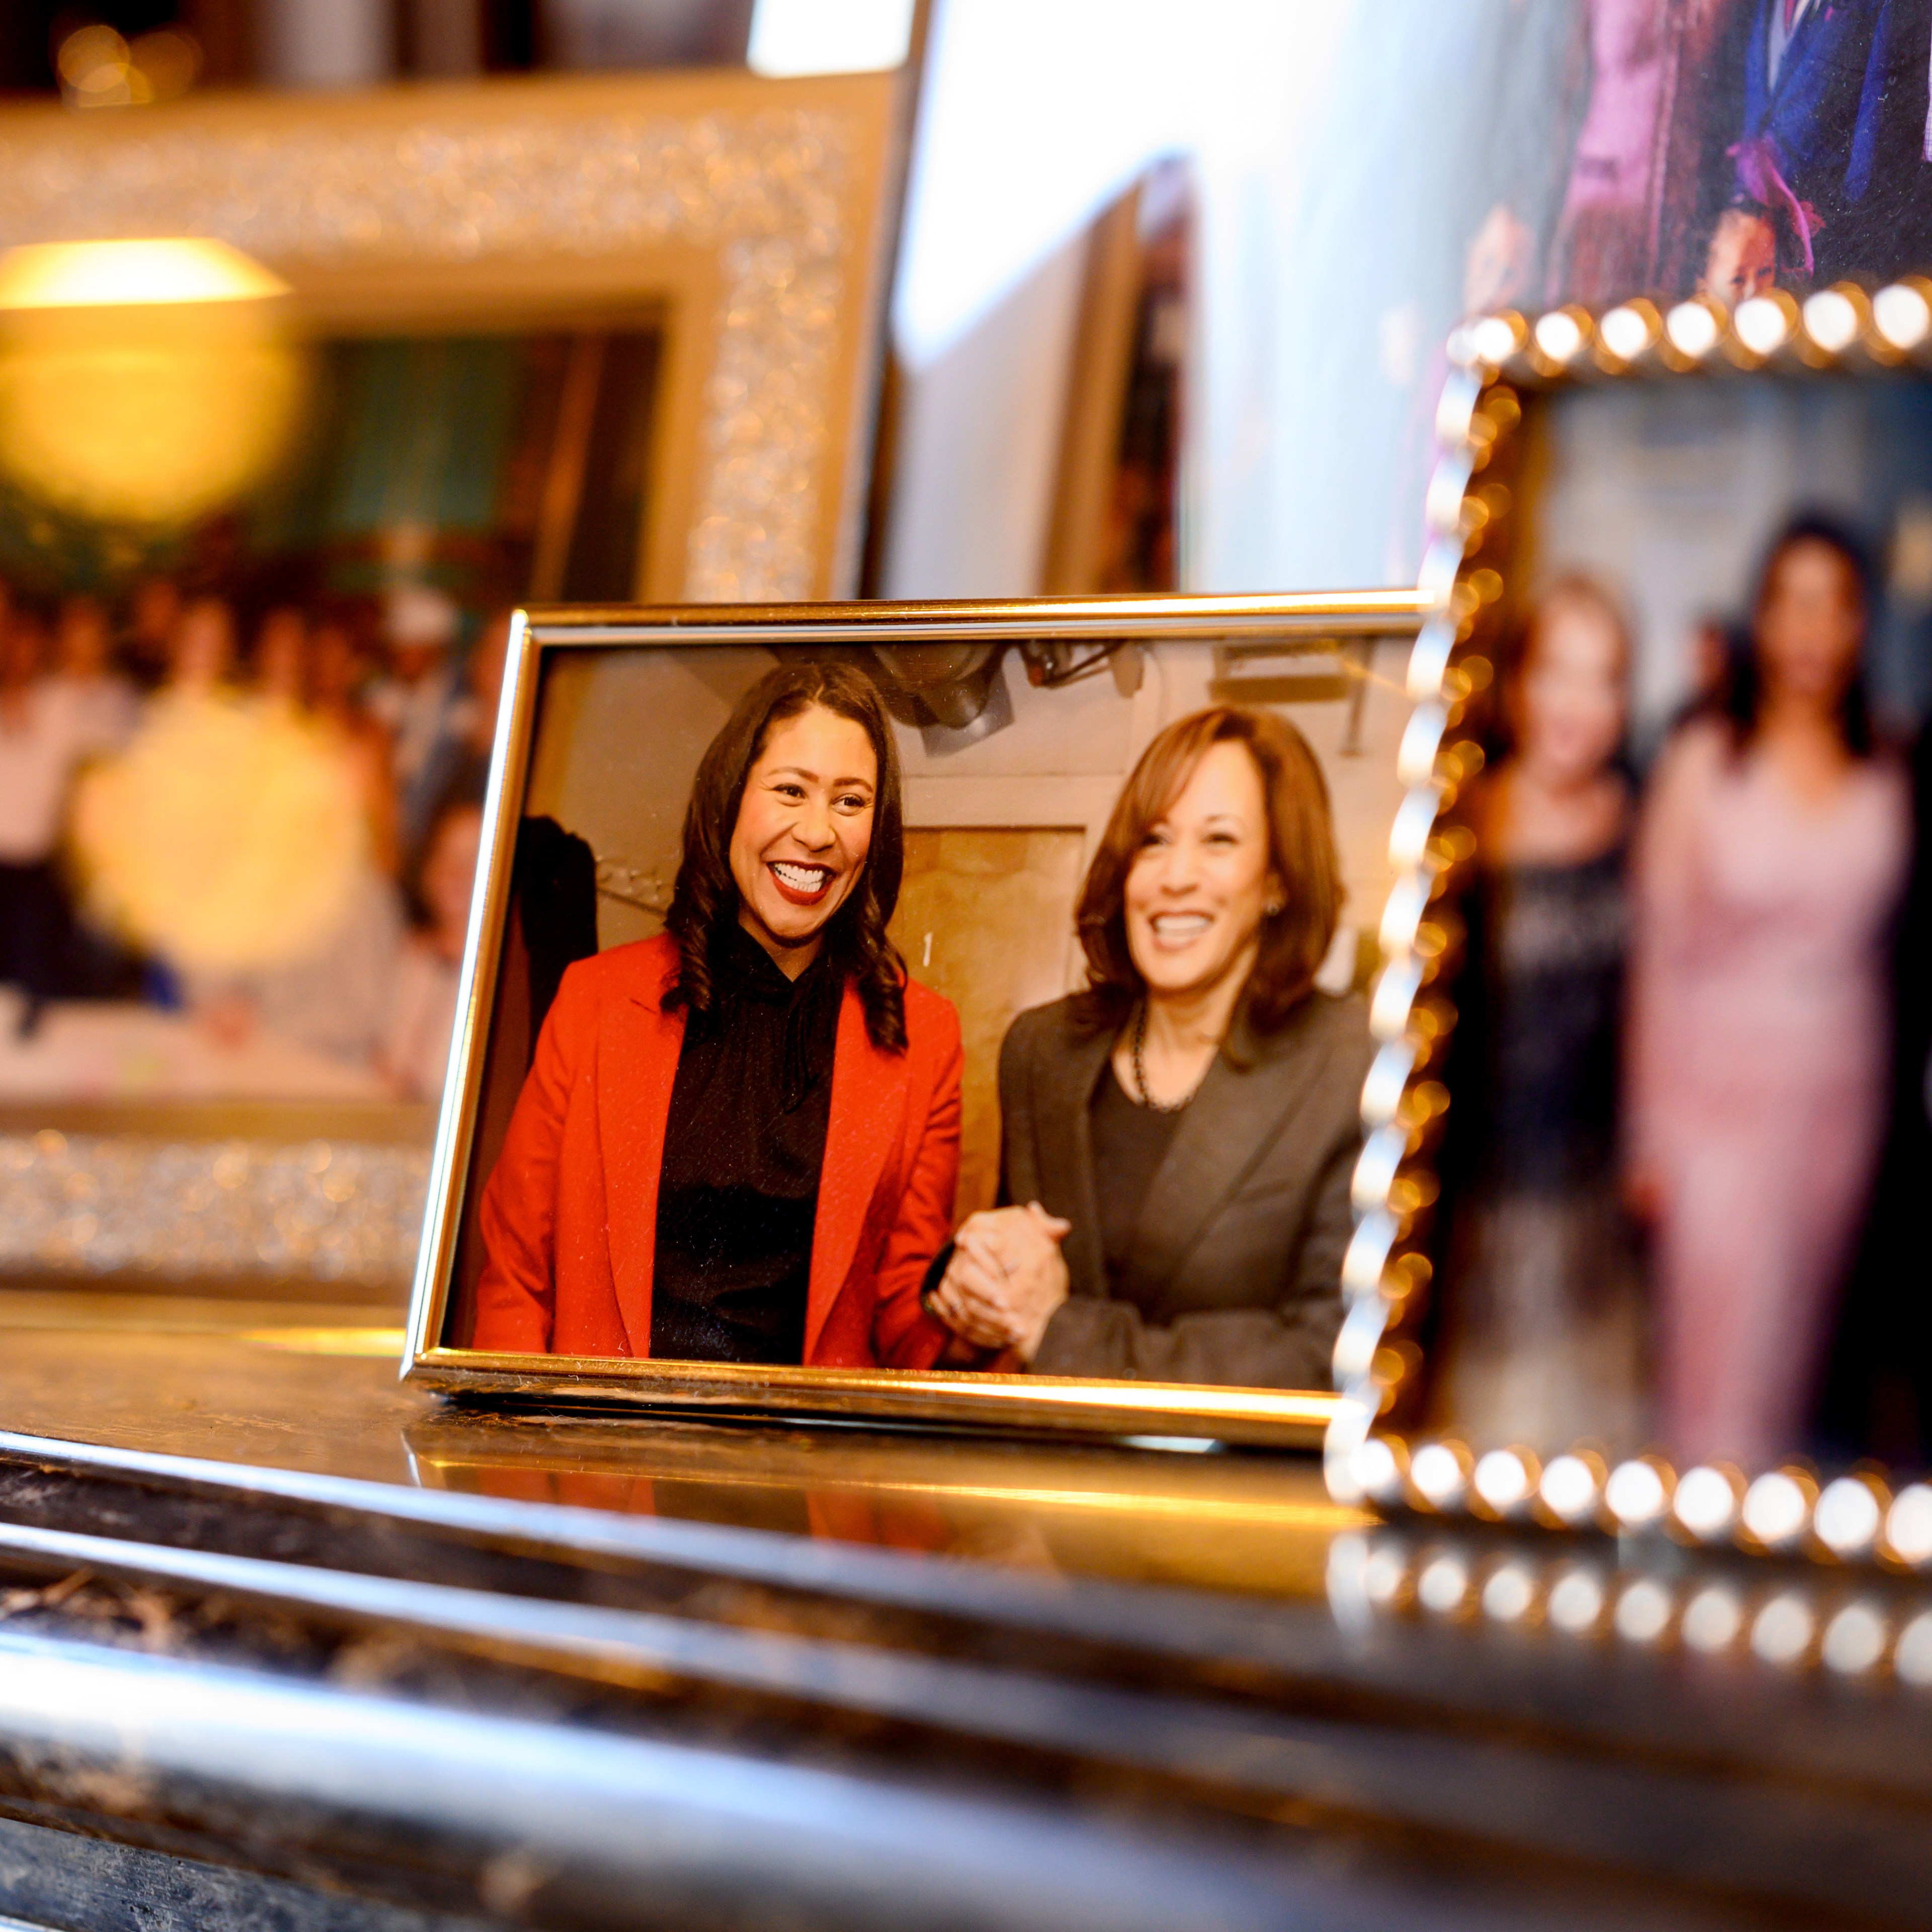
column 1771, row 859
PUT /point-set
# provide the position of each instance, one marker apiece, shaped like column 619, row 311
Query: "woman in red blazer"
column 739, row 1142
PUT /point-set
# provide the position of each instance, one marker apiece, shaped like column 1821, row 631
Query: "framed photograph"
column 594, row 338
column 1649, row 1143
column 949, row 1013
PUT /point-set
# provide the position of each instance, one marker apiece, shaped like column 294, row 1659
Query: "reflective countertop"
column 1549, row 1730
column 312, row 1387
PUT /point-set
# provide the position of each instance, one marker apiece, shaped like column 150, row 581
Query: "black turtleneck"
column 738, row 1189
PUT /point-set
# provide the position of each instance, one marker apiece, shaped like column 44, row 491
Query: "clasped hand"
column 1005, row 1278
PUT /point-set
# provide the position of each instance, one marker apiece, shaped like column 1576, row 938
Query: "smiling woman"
column 739, row 1142
column 1179, row 1137
column 802, row 837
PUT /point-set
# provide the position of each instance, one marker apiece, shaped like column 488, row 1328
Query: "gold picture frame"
column 1322, row 626
column 1502, row 365
column 751, row 217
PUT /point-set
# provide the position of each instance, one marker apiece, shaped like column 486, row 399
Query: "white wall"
column 1347, row 153
column 978, row 445
column 1037, row 113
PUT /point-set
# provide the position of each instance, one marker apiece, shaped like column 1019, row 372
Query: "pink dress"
column 1757, row 1074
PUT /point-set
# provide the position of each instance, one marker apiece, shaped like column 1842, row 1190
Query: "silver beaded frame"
column 1867, row 1517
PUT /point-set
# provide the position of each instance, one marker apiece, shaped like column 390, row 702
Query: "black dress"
column 744, row 1144
column 1541, row 1329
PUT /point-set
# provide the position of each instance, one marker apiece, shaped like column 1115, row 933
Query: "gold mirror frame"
column 1291, row 1418
column 1863, row 1517
column 752, row 217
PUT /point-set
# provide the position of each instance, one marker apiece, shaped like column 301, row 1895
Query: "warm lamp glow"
column 99, row 274
column 144, row 382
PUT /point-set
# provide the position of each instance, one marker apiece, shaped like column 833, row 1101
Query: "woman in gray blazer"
column 1183, row 1132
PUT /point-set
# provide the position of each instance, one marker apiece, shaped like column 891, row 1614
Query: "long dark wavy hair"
column 1744, row 696
column 704, row 902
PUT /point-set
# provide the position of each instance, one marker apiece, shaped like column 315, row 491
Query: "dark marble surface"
column 251, row 1383
column 52, row 1876
column 263, row 1613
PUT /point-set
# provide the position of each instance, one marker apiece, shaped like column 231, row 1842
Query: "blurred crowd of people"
column 1689, row 1132
column 270, row 826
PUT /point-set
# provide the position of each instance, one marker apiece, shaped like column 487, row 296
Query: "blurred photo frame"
column 1016, row 726
column 1642, row 1248
column 612, row 336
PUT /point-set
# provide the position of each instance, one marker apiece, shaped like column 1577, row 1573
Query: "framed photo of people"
column 952, row 1013
column 1657, row 993
column 264, row 515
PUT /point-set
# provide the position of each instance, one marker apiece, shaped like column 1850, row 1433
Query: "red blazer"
column 569, row 1215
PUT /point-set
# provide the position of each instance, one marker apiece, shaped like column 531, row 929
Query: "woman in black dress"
column 1539, row 1316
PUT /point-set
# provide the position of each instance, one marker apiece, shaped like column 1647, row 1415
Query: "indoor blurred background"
column 331, row 333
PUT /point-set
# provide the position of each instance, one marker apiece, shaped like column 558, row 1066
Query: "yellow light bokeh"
column 148, row 433
column 123, row 274
column 142, row 383
column 99, row 68
column 227, row 837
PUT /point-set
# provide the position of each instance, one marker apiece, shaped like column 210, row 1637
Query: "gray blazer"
column 1237, row 1274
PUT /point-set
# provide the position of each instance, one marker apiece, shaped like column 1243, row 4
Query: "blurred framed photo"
column 948, row 1012
column 1662, row 943
column 636, row 315
column 598, row 338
